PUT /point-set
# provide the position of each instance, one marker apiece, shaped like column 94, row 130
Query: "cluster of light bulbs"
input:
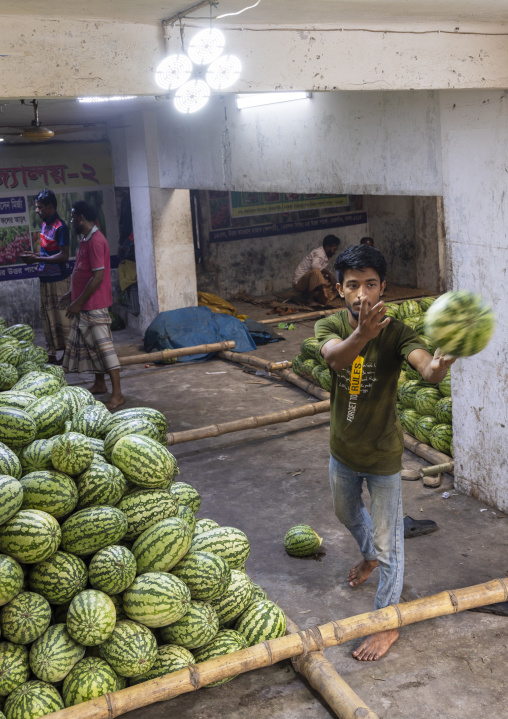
column 204, row 51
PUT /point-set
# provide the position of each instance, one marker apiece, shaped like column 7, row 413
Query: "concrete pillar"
column 162, row 227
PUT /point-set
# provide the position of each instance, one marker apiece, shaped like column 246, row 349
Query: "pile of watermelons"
column 106, row 576
column 425, row 410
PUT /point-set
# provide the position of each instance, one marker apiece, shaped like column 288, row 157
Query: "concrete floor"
column 266, row 480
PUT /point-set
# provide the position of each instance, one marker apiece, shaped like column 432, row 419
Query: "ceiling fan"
column 36, row 131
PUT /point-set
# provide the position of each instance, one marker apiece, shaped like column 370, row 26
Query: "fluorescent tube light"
column 114, row 98
column 269, row 98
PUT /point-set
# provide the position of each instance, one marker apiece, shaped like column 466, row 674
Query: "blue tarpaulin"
column 191, row 326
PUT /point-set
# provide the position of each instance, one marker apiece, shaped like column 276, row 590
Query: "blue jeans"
column 379, row 535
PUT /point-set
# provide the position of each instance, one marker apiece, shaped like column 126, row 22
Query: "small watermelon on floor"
column 460, row 323
column 302, row 541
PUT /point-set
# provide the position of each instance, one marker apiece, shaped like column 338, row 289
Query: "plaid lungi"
column 90, row 345
column 55, row 323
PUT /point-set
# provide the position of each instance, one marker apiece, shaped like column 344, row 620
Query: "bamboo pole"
column 436, row 469
column 179, row 352
column 322, row 677
column 291, row 645
column 426, row 452
column 323, row 313
column 215, row 430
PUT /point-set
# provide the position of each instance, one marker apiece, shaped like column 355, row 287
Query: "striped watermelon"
column 187, row 495
column 72, row 400
column 297, row 365
column 425, row 303
column 91, row 529
column 302, row 541
column 9, row 462
column 49, row 414
column 442, row 411
column 139, row 426
column 39, row 355
column 156, row 599
column 423, row 428
column 162, row 545
column 30, row 536
column 309, row 349
column 71, row 453
column 204, row 524
column 112, row 569
column 17, row 428
column 131, row 650
column 407, row 392
column 11, row 578
column 408, row 419
column 32, row 700
column 441, row 437
column 100, row 485
column 225, row 641
column 59, row 578
column 36, row 456
column 53, row 654
column 392, row 310
column 261, row 621
column 408, row 308
column 20, row 332
column 259, row 592
column 445, row 386
column 228, row 542
column 236, row 598
column 10, row 355
column 426, row 399
column 416, row 322
column 411, row 372
column 11, row 497
column 170, row 658
column 89, row 678
column 84, row 395
column 38, row 383
column 97, row 445
column 50, row 491
column 17, row 399
column 25, row 618
column 146, row 507
column 91, row 617
column 152, row 415
column 144, row 461
column 186, row 514
column 92, row 421
column 14, row 667
column 197, row 627
column 8, row 376
column 56, row 371
column 207, row 575
column 460, row 323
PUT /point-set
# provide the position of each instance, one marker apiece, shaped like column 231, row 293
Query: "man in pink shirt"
column 90, row 345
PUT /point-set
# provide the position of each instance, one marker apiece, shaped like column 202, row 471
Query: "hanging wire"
column 181, row 34
column 228, row 14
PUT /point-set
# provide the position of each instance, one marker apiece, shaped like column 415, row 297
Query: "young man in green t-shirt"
column 365, row 351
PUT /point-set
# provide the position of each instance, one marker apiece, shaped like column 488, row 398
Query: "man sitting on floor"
column 312, row 277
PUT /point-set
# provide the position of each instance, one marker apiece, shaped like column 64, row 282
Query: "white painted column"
column 162, row 227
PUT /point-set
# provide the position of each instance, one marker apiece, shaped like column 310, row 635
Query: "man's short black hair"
column 367, row 241
column 330, row 241
column 360, row 257
column 47, row 198
column 87, row 211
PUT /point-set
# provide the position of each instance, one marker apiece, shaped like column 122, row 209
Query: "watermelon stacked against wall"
column 106, row 576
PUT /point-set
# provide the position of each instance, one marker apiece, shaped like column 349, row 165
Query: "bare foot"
column 361, row 571
column 115, row 402
column 98, row 388
column 376, row 645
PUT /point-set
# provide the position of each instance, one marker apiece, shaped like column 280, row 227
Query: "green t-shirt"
column 365, row 431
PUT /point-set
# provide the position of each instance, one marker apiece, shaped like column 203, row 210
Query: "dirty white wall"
column 475, row 180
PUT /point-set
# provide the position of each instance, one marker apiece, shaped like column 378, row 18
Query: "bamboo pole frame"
column 270, row 652
column 215, row 430
column 436, row 469
column 179, row 352
column 322, row 677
